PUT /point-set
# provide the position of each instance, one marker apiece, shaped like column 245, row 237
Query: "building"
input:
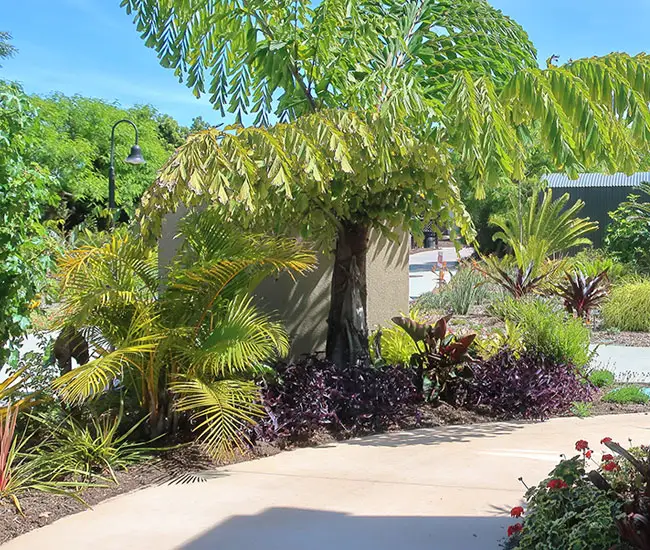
column 601, row 193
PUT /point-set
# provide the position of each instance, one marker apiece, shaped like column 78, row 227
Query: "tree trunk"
column 347, row 332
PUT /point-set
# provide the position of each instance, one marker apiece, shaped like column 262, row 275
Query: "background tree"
column 6, row 48
column 461, row 74
column 24, row 188
column 71, row 138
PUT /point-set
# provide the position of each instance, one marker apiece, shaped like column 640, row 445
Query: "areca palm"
column 196, row 335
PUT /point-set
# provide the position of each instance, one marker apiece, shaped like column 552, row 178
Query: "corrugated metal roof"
column 597, row 180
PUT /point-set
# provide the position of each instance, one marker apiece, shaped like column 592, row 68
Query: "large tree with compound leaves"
column 359, row 107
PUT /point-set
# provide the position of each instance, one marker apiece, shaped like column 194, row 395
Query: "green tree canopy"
column 290, row 58
column 24, row 188
column 72, row 140
column 460, row 74
column 6, row 48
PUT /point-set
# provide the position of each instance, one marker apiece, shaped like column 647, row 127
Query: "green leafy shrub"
column 628, row 236
column 465, row 289
column 548, row 330
column 393, row 345
column 567, row 511
column 510, row 337
column 95, row 447
column 601, row 378
column 626, row 394
column 628, row 307
column 582, row 409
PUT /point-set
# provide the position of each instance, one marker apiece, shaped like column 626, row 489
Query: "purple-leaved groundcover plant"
column 313, row 394
column 526, row 385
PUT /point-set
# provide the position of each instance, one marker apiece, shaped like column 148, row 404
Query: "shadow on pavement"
column 435, row 436
column 300, row 529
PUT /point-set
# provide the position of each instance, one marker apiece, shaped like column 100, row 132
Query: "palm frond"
column 121, row 272
column 238, row 340
column 9, row 387
column 222, row 408
column 542, row 228
column 112, row 360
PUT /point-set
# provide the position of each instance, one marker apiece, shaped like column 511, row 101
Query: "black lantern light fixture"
column 135, row 157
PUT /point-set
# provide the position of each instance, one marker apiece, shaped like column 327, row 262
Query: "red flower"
column 605, row 440
column 557, row 484
column 608, row 457
column 581, row 445
column 516, row 528
column 588, row 454
column 517, row 512
column 610, row 466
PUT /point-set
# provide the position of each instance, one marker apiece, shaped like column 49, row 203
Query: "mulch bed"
column 618, row 338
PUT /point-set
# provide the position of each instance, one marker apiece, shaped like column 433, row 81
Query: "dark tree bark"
column 347, row 332
column 70, row 344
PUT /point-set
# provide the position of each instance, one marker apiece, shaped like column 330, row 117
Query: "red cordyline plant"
column 582, row 293
column 518, row 281
column 442, row 356
column 7, row 430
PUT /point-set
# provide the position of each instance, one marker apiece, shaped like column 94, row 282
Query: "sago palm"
column 542, row 228
column 194, row 336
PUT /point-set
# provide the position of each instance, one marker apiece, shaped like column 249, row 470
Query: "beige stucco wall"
column 302, row 304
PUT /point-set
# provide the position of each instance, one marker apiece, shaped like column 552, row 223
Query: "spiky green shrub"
column 592, row 261
column 466, row 288
column 548, row 329
column 627, row 394
column 628, row 307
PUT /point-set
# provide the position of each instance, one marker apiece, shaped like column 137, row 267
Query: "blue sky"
column 91, row 47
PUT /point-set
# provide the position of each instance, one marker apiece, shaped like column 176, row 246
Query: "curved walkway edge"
column 449, row 488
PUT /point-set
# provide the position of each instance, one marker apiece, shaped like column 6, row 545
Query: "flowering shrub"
column 567, row 511
column 528, row 385
column 301, row 398
column 608, row 507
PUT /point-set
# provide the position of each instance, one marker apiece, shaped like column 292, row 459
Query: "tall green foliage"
column 23, row 189
column 542, row 228
column 460, row 74
column 200, row 338
column 628, row 235
column 72, row 140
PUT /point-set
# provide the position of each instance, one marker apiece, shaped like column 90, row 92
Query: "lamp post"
column 135, row 157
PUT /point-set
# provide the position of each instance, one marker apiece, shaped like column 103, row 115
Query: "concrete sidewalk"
column 421, row 278
column 629, row 364
column 435, row 489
